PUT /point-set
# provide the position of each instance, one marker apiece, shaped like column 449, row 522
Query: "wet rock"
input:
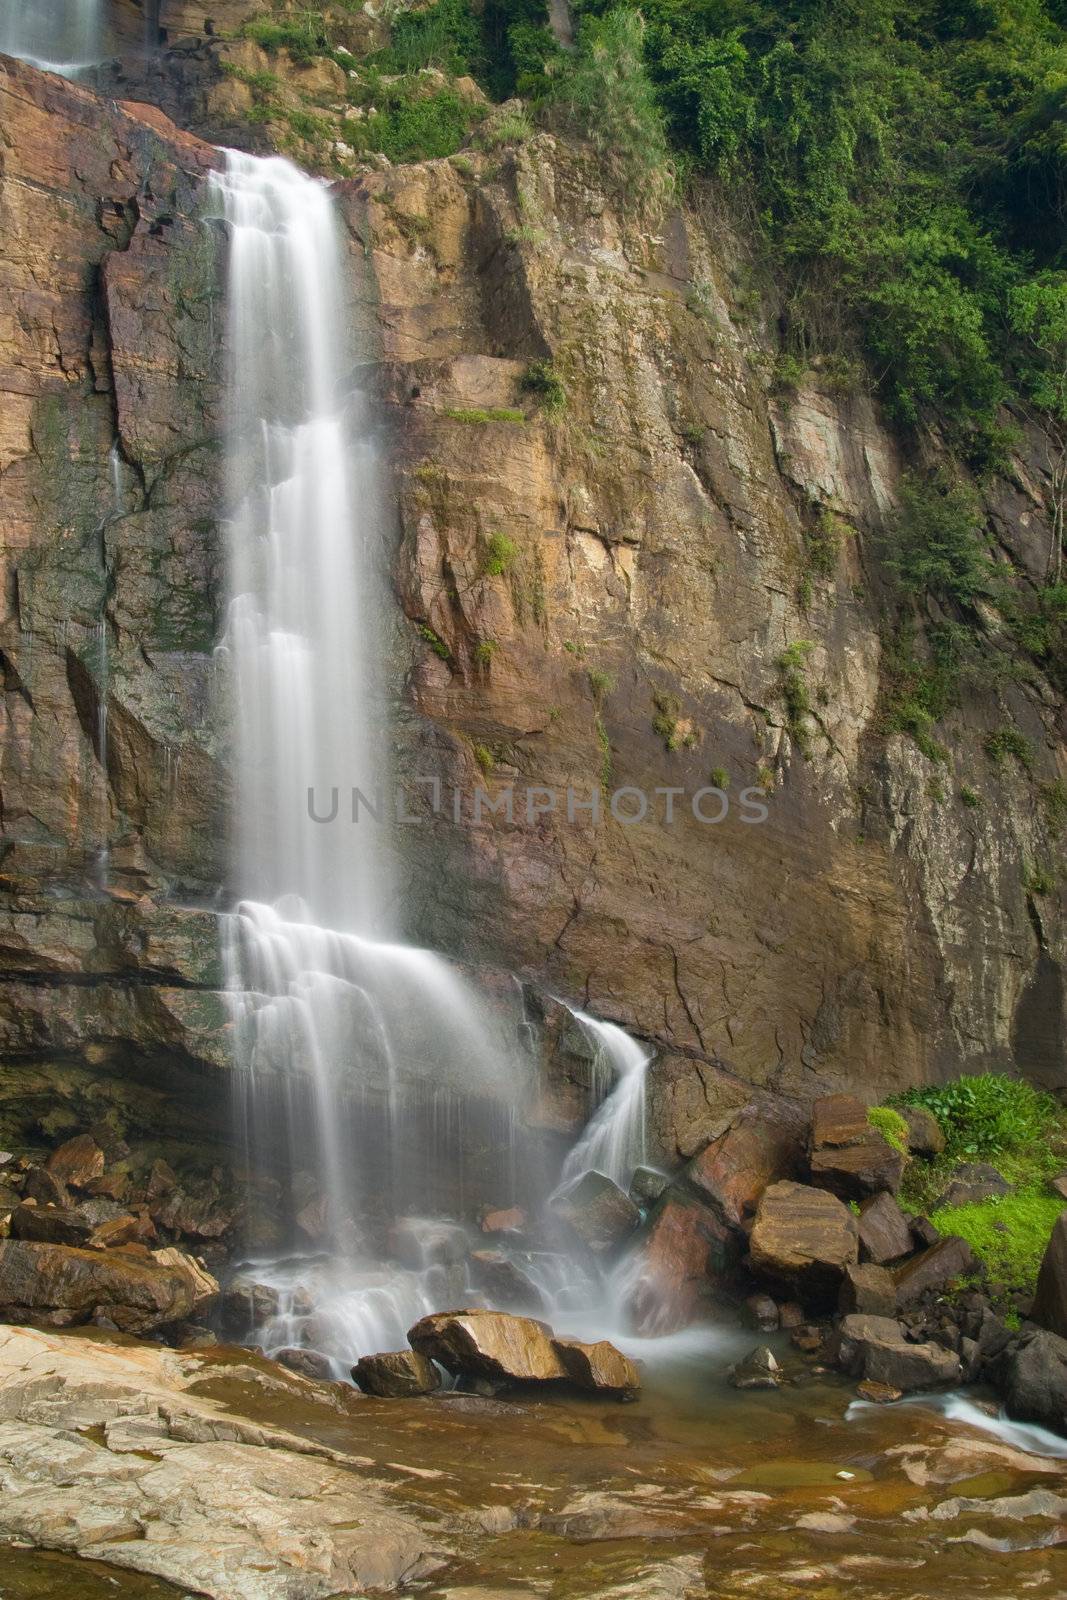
column 599, row 1367
column 1035, row 1381
column 923, row 1232
column 925, row 1137
column 194, row 1336
column 685, row 1250
column 204, row 1288
column 44, row 1187
column 848, row 1156
column 503, row 1281
column 880, row 1394
column 805, row 1238
column 77, row 1162
column 868, row 1288
column 647, row 1185
column 510, row 1220
column 61, row 1285
column 973, row 1182
column 308, row 1363
column 807, row 1338
column 826, row 1522
column 126, row 1229
column 598, row 1212
column 759, row 1370
column 884, row 1231
column 489, row 1344
column 50, row 1224
column 875, row 1348
column 596, row 1514
column 791, row 1314
column 1050, row 1302
column 936, row 1267
column 760, row 1311
column 245, row 1306
column 733, row 1170
column 396, row 1374
column 420, row 1242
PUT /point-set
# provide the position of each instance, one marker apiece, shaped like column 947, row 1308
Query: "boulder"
column 598, row 1212
column 1060, row 1185
column 420, row 1242
column 759, row 1370
column 44, row 1187
column 598, row 1367
column 884, row 1231
column 925, row 1137
column 1035, row 1381
column 1050, row 1303
column 805, row 1238
column 308, row 1363
column 685, row 1250
column 973, row 1182
column 60, row 1286
column 204, row 1287
column 923, row 1232
column 880, row 1394
column 77, row 1162
column 50, row 1224
column 396, row 1375
column 935, row 1268
column 512, row 1219
column 760, row 1311
column 848, row 1156
column 647, row 1185
column 868, row 1288
column 245, row 1306
column 126, row 1229
column 875, row 1348
column 503, row 1281
column 734, row 1169
column 489, row 1344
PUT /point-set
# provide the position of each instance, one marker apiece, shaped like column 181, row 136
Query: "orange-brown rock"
column 489, row 1344
column 805, row 1238
column 598, row 1366
column 757, row 1149
column 848, row 1156
column 53, row 1284
column 77, row 1162
column 396, row 1374
column 685, row 1252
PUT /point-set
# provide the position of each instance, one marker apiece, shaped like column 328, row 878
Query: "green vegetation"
column 969, row 797
column 478, row 416
column 890, row 1125
column 484, row 651
column 601, row 683
column 665, row 720
column 719, row 778
column 540, row 380
column 822, row 546
column 1038, row 879
column 793, row 689
column 435, row 642
column 1008, row 1233
column 987, row 1115
column 604, row 744
column 500, row 555
column 935, row 544
column 1007, row 743
column 409, row 124
column 303, row 34
column 484, row 757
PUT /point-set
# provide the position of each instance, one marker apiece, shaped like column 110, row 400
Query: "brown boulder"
column 308, row 1363
column 510, row 1220
column 933, row 1269
column 50, row 1225
column 685, row 1250
column 44, row 1187
column 122, row 1230
column 972, row 1183
column 396, row 1374
column 733, row 1171
column 925, row 1137
column 503, row 1281
column 489, row 1344
column 1050, row 1303
column 805, row 1238
column 598, row 1212
column 884, row 1231
column 59, row 1285
column 246, row 1306
column 848, row 1156
column 77, row 1162
column 875, row 1347
column 759, row 1370
column 599, row 1367
column 868, row 1288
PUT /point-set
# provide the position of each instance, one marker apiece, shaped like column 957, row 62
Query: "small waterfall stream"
column 57, row 35
column 369, row 1070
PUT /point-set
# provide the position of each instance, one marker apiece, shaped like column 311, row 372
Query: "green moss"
column 484, row 757
column 500, row 555
column 890, row 1125
column 1008, row 1233
column 605, row 752
column 484, row 651
column 969, row 797
column 1038, row 879
column 478, row 416
column 793, row 689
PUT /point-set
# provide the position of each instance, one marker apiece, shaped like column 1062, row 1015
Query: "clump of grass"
column 484, row 757
column 1006, row 743
column 793, row 689
column 540, row 379
column 987, row 1115
column 435, row 642
column 719, row 778
column 665, row 720
column 510, row 126
column 500, row 555
column 890, row 1125
column 969, row 797
column 478, row 416
column 1038, row 879
column 303, row 35
column 484, row 651
column 601, row 683
column 1008, row 1233
column 605, row 752
column 1054, row 803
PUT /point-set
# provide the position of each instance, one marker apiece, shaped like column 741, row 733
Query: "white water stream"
column 57, row 35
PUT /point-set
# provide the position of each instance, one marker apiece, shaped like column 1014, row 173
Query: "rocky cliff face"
column 671, row 581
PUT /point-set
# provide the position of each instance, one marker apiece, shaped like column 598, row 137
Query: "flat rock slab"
column 105, row 1452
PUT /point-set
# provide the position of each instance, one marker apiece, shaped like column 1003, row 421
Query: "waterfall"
column 615, row 1139
column 57, row 35
column 368, row 1069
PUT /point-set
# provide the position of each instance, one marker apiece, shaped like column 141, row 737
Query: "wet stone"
column 396, row 1374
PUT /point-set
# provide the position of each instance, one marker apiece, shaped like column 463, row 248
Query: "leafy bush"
column 934, row 544
column 408, row 124
column 303, row 34
column 987, row 1115
column 891, row 1125
column 500, row 554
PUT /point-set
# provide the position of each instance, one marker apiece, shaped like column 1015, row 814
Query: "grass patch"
column 435, row 642
column 541, row 380
column 891, row 1126
column 1008, row 1233
column 500, row 555
column 1009, row 744
column 793, row 689
column 988, row 1115
column 478, row 416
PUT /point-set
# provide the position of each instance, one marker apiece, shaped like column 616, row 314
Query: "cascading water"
column 615, row 1142
column 368, row 1068
column 58, row 35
